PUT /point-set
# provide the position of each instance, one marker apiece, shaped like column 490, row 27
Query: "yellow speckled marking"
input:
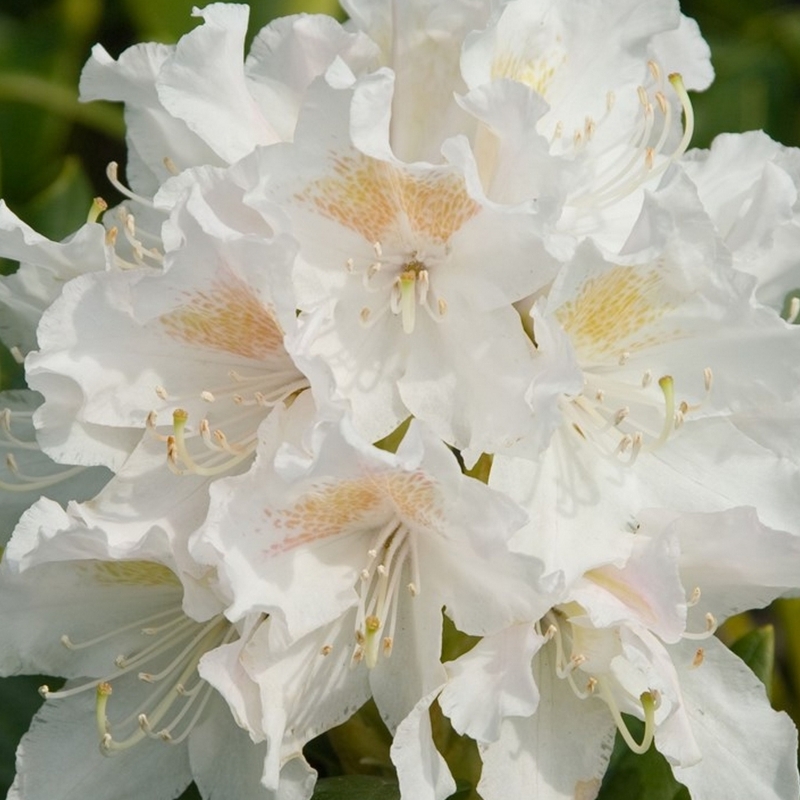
column 228, row 317
column 378, row 200
column 612, row 308
column 534, row 72
column 133, row 573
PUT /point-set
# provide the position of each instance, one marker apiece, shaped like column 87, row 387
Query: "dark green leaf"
column 63, row 206
column 19, row 701
column 357, row 787
column 643, row 777
column 757, row 650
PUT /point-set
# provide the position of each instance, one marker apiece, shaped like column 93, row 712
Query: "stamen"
column 112, row 171
column 649, row 705
column 711, row 629
column 699, row 656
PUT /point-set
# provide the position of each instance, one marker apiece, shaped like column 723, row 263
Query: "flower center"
column 406, row 279
column 391, row 555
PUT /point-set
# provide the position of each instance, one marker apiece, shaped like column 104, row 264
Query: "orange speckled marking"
column 133, row 573
column 373, row 197
column 612, row 308
column 369, row 502
column 228, row 317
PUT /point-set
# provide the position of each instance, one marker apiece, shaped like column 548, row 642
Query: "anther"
column 442, row 306
column 624, row 358
column 388, row 642
column 794, row 310
column 161, row 392
column 708, row 378
column 365, row 314
column 655, row 70
column 621, row 414
column 326, row 650
column 647, row 378
column 349, row 265
column 699, row 656
column 642, row 96
column 97, row 208
column 662, row 102
column 170, row 166
column 412, row 589
column 694, row 597
column 207, row 396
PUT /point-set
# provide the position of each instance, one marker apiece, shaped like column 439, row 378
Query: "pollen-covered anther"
column 621, row 415
column 711, row 629
column 161, row 392
column 326, row 650
column 699, row 657
column 694, row 597
column 591, row 685
column 208, row 397
column 794, row 310
column 387, row 643
column 99, row 205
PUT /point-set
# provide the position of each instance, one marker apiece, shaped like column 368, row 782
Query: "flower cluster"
column 431, row 315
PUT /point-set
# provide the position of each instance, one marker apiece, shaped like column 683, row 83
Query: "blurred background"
column 53, row 154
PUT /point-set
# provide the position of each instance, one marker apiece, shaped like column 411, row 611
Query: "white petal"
column 748, row 749
column 558, row 753
column 492, row 681
column 421, row 770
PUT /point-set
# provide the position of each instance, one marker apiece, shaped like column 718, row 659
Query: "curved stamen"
column 649, row 704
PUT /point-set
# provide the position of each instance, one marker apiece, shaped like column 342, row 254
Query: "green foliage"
column 357, row 787
column 757, row 650
column 645, row 777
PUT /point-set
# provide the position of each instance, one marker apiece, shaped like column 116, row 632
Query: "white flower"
column 614, row 78
column 200, row 342
column 198, row 102
column 353, row 552
column 748, row 184
column 406, row 273
column 108, row 617
column 634, row 640
column 671, row 352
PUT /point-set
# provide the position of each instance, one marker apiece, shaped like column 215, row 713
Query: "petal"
column 203, row 83
column 225, row 762
column 492, row 681
column 558, row 753
column 422, row 772
column 60, row 757
column 724, row 700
